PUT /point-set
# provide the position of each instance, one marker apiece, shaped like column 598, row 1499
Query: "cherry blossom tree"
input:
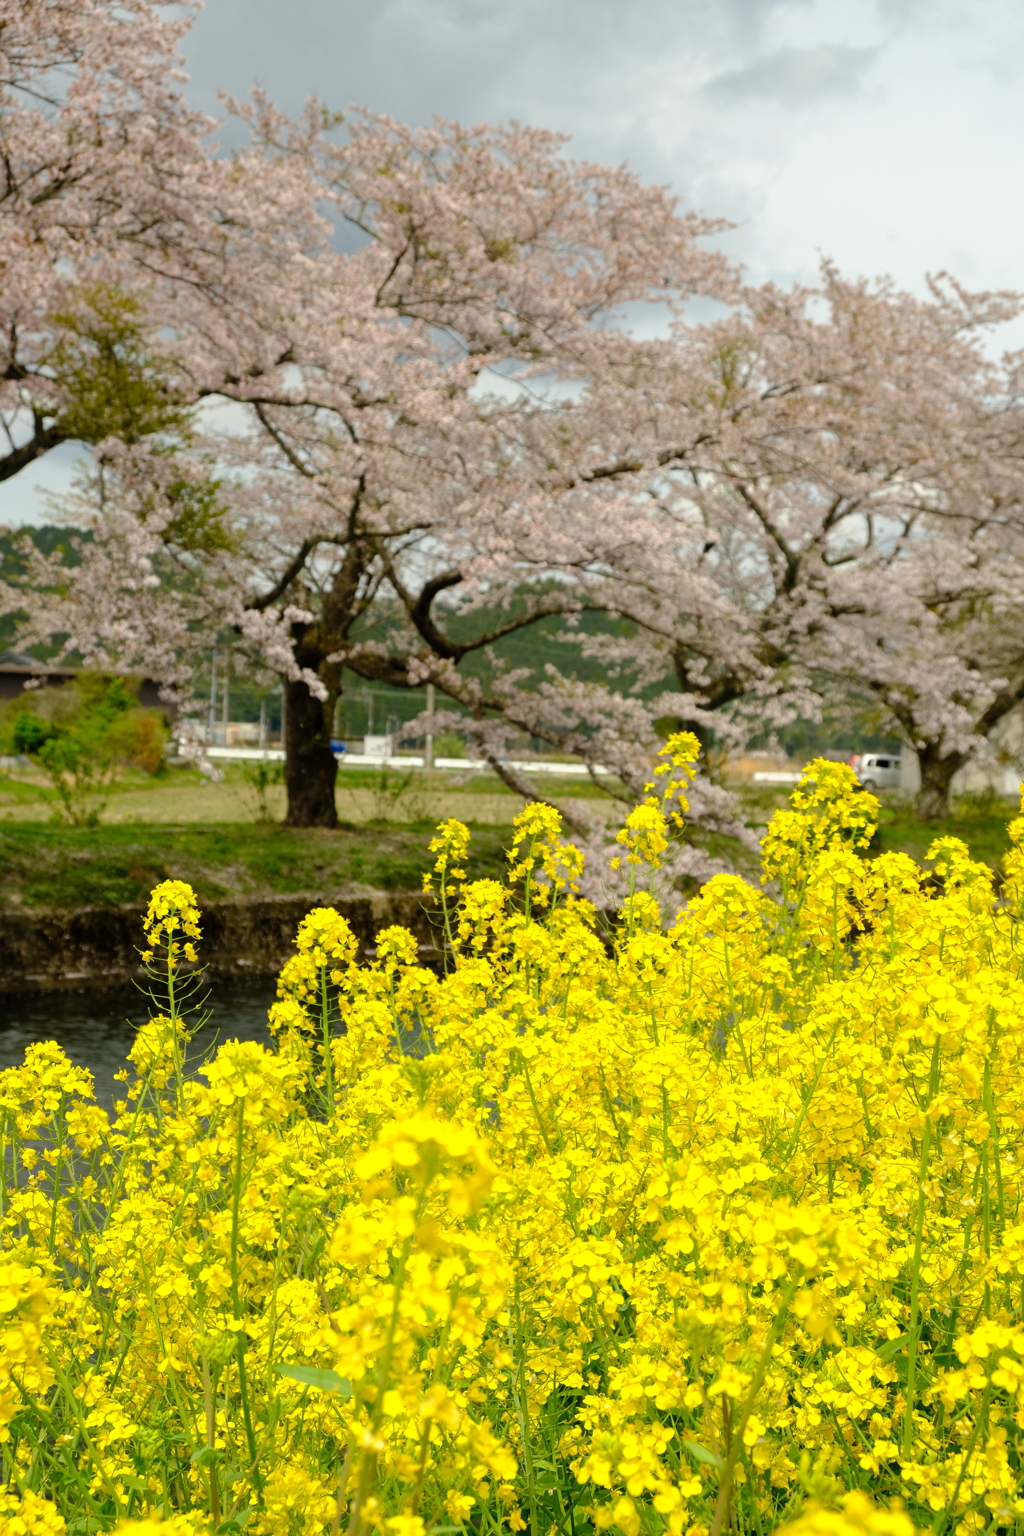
column 449, row 423
column 98, row 152
column 826, row 488
column 371, row 464
column 145, row 276
column 130, row 251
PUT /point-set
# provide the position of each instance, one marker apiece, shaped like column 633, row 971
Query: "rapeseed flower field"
column 710, row 1224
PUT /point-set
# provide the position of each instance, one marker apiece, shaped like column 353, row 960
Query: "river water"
column 96, row 1026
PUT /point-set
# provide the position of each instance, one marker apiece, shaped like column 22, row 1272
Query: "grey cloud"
column 465, row 58
column 940, row 13
column 676, row 88
column 623, row 79
column 798, row 75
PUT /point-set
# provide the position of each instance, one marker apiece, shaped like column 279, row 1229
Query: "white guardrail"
column 359, row 760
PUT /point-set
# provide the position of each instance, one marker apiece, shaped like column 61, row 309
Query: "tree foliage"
column 81, row 735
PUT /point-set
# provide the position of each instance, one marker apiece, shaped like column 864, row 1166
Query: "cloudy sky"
column 887, row 134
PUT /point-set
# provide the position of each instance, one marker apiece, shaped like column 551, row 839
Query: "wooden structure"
column 17, row 669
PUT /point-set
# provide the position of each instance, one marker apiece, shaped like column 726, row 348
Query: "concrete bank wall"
column 42, row 948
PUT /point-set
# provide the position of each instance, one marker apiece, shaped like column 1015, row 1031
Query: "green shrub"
column 81, row 735
column 29, row 732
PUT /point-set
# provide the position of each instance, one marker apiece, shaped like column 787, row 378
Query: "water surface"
column 96, row 1026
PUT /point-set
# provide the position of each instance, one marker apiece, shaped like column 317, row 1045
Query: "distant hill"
column 47, row 538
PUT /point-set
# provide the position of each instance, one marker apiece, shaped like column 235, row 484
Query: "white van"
column 877, row 770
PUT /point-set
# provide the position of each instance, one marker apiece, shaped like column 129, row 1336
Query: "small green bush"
column 449, row 745
column 29, row 732
column 81, row 735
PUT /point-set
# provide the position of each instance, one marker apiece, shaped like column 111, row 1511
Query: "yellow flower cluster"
column 25, row 1304
column 685, row 1223
column 645, row 835
column 172, row 921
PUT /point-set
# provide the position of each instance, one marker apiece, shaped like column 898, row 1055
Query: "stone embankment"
column 43, row 948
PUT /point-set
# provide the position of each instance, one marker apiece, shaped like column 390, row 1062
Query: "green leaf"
column 314, row 1376
column 890, row 1350
column 209, row 1456
column 236, row 1523
column 701, row 1453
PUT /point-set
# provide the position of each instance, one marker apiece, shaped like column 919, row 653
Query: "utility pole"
column 212, row 721
column 428, row 752
column 263, row 725
column 224, row 699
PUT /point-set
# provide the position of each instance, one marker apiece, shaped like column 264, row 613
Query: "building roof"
column 17, row 661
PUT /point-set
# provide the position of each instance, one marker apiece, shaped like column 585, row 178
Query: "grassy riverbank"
column 181, row 826
column 44, row 865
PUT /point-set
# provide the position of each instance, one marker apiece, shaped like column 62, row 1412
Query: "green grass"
column 29, row 786
column 581, row 788
column 980, row 821
column 761, row 801
column 49, row 865
column 26, row 786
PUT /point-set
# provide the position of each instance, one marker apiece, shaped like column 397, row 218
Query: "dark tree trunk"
column 937, row 772
column 310, row 768
column 704, row 734
column 717, row 693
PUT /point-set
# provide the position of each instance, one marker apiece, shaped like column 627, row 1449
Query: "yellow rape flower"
column 326, row 939
column 539, row 858
column 644, row 836
column 686, row 1228
column 827, row 807
column 451, row 846
column 857, row 1517
column 172, row 920
column 170, row 1525
column 29, row 1515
